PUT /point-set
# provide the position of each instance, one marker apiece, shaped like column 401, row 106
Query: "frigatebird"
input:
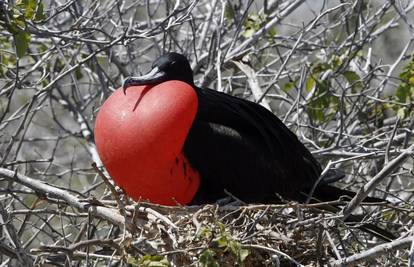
column 238, row 147
column 164, row 139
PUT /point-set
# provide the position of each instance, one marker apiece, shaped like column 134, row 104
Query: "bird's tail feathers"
column 331, row 176
column 324, row 193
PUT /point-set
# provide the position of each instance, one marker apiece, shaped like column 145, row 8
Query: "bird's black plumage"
column 239, row 146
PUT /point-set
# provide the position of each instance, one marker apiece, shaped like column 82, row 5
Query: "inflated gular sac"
column 140, row 135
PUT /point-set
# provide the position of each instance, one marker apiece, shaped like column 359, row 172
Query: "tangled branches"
column 339, row 76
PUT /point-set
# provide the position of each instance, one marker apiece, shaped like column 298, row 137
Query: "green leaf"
column 205, row 232
column 101, row 60
column 78, row 73
column 45, row 82
column 132, row 261
column 403, row 92
column 222, row 241
column 243, row 253
column 288, row 86
column 401, row 113
column 207, row 259
column 353, row 79
column 22, row 40
column 323, row 104
column 229, row 11
column 320, row 67
column 272, row 32
column 30, row 9
column 153, row 261
column 252, row 24
column 351, row 76
column 335, row 61
column 13, row 27
column 19, row 22
column 387, row 215
column 222, row 228
column 316, row 114
column 322, row 86
column 248, row 33
column 4, row 64
column 21, row 3
column 40, row 12
column 310, row 83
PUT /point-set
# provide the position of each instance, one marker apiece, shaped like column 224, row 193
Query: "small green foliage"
column 59, row 65
column 288, row 86
column 32, row 9
column 254, row 23
column 7, row 59
column 320, row 67
column 205, row 233
column 272, row 32
column 405, row 91
column 335, row 62
column 22, row 43
column 310, row 83
column 14, row 20
column 150, row 261
column 227, row 242
column 353, row 78
column 387, row 215
column 207, row 259
column 222, row 244
column 324, row 104
column 251, row 24
column 132, row 261
column 229, row 13
column 78, row 73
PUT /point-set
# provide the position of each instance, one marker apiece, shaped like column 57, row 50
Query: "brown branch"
column 373, row 183
column 374, row 252
column 109, row 214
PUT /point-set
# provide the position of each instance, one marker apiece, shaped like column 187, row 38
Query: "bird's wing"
column 231, row 160
column 251, row 118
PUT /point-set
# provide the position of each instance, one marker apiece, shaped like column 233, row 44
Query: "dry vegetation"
column 341, row 76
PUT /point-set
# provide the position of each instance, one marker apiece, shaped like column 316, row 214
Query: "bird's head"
column 170, row 66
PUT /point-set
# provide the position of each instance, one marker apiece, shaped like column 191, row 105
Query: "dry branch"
column 334, row 73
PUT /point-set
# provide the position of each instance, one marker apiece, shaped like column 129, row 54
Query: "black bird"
column 240, row 147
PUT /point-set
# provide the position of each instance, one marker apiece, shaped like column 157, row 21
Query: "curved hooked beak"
column 154, row 76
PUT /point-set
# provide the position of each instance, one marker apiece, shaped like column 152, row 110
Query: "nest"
column 291, row 234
